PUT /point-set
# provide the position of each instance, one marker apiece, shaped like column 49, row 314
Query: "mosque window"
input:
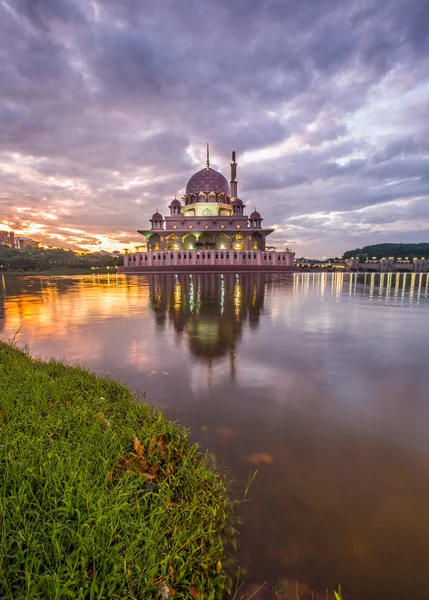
column 283, row 257
column 208, row 255
column 269, row 257
column 207, row 212
column 254, row 256
column 227, row 256
column 198, row 256
column 184, row 256
column 145, row 257
column 154, row 257
column 217, row 255
column 278, row 258
column 171, row 256
column 163, row 257
column 235, row 256
column 221, row 255
column 265, row 257
column 159, row 257
column 179, row 257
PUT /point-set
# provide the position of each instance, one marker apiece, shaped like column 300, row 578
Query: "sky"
column 106, row 107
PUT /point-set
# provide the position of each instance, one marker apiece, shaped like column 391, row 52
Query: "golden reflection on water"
column 45, row 307
column 383, row 286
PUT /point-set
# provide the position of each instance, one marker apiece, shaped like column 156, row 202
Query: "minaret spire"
column 208, row 157
column 234, row 184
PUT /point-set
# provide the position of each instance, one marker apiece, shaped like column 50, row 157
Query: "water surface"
column 320, row 381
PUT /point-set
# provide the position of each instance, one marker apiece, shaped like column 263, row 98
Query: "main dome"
column 206, row 181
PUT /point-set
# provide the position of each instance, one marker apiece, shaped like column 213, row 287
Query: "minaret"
column 234, row 185
column 208, row 158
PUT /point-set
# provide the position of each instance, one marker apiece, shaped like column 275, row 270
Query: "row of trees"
column 30, row 259
column 379, row 251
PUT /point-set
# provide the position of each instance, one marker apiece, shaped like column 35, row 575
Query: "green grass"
column 100, row 495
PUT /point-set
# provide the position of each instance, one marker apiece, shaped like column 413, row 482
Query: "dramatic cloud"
column 106, row 106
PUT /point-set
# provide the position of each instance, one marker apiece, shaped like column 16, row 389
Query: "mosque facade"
column 208, row 230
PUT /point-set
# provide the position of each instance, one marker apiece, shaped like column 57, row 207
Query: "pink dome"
column 156, row 217
column 255, row 215
column 175, row 203
column 206, row 181
column 237, row 202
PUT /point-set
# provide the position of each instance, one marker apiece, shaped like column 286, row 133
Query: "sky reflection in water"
column 319, row 380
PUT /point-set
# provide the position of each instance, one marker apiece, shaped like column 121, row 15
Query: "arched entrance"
column 223, row 241
column 189, row 241
column 239, row 242
column 155, row 242
column 173, row 242
column 206, row 239
column 257, row 241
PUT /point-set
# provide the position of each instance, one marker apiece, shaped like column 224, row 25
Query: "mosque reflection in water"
column 211, row 310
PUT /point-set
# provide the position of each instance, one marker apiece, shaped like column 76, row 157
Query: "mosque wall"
column 142, row 262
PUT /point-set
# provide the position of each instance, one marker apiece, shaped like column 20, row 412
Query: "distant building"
column 25, row 242
column 390, row 265
column 209, row 231
column 8, row 238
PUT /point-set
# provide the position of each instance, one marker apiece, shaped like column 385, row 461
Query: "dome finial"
column 208, row 157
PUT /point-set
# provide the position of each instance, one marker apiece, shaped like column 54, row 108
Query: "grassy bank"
column 100, row 496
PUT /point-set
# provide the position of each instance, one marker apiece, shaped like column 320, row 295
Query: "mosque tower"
column 233, row 183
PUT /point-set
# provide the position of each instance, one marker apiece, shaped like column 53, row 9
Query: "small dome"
column 156, row 217
column 255, row 215
column 175, row 202
column 206, row 181
column 237, row 202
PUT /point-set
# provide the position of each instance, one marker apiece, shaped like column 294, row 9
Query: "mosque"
column 208, row 230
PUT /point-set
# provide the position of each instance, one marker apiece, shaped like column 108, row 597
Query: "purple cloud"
column 106, row 107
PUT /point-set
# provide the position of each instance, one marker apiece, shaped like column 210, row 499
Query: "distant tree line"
column 30, row 259
column 389, row 250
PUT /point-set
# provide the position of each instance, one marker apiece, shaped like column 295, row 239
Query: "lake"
column 319, row 381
